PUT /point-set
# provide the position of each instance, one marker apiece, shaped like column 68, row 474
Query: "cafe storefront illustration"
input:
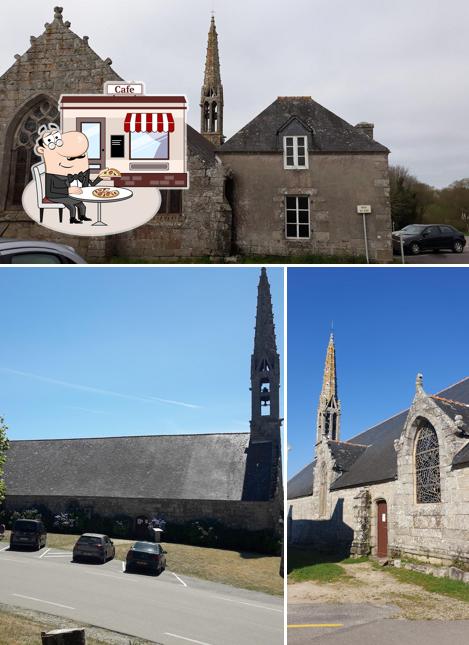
column 137, row 145
column 142, row 137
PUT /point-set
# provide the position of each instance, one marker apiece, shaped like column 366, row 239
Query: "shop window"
column 295, row 153
column 427, row 465
column 149, row 145
column 297, row 224
column 171, row 202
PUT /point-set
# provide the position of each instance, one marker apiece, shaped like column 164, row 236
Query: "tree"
column 3, row 450
column 408, row 196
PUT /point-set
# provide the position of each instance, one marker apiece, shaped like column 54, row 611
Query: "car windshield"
column 28, row 526
column 145, row 546
column 88, row 539
column 412, row 229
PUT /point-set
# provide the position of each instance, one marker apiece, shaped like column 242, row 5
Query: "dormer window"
column 295, row 153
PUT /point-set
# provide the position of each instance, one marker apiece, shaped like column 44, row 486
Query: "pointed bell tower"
column 328, row 419
column 211, row 101
column 265, row 370
column 263, row 478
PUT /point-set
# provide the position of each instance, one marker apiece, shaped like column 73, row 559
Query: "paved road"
column 368, row 625
column 438, row 258
column 169, row 609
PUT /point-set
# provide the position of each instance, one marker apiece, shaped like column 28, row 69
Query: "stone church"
column 400, row 488
column 233, row 479
column 288, row 183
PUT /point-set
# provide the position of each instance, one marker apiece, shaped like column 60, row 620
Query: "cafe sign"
column 124, row 89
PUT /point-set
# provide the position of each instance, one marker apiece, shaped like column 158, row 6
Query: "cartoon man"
column 67, row 168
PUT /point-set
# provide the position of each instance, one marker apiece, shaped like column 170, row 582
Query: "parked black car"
column 28, row 533
column 94, row 546
column 146, row 556
column 428, row 237
column 35, row 252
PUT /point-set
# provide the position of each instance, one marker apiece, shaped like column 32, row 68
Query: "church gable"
column 60, row 60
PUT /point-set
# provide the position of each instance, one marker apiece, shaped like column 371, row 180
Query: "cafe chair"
column 42, row 201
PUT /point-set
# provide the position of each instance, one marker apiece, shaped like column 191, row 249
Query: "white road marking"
column 123, row 567
column 5, row 548
column 58, row 555
column 251, row 604
column 43, row 554
column 47, row 602
column 183, row 638
column 181, row 581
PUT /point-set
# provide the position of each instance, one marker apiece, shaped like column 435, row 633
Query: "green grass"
column 239, row 569
column 306, row 565
column 445, row 586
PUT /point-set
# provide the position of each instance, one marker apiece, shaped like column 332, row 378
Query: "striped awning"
column 149, row 122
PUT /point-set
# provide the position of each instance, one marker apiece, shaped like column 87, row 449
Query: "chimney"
column 366, row 128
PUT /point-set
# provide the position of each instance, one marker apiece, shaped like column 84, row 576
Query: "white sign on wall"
column 364, row 209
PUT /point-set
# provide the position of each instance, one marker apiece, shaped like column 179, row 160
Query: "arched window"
column 22, row 152
column 427, row 465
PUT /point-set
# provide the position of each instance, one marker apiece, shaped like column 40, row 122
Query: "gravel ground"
column 374, row 586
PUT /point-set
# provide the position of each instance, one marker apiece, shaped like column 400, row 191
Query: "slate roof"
column 378, row 462
column 345, row 454
column 201, row 146
column 301, row 485
column 202, row 466
column 330, row 133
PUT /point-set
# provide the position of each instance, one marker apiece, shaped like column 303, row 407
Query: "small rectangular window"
column 295, row 151
column 297, row 224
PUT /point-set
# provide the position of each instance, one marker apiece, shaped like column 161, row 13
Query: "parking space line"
column 183, row 638
column 251, row 604
column 46, row 602
column 43, row 554
column 181, row 581
column 58, row 555
column 5, row 548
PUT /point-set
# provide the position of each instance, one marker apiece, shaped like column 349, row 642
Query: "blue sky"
column 389, row 324
column 123, row 351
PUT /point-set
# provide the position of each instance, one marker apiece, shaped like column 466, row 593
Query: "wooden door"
column 382, row 551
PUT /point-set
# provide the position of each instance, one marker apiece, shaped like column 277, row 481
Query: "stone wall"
column 249, row 517
column 202, row 229
column 336, row 184
column 436, row 532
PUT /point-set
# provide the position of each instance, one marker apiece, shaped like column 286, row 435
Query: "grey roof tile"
column 329, row 133
column 201, row 466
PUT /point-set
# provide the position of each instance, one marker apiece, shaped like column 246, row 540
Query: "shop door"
column 382, row 529
column 95, row 130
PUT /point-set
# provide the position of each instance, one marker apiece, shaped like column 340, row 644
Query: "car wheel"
column 458, row 247
column 415, row 248
column 104, row 560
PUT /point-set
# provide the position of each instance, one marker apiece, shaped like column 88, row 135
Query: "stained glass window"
column 427, row 465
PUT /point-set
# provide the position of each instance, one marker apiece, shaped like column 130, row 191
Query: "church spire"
column 211, row 102
column 328, row 419
column 265, row 369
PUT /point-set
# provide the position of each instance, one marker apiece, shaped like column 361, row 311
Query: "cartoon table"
column 87, row 196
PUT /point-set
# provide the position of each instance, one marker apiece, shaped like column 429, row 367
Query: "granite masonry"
column 397, row 490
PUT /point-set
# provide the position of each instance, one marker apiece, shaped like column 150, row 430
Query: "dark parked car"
column 94, row 546
column 28, row 533
column 146, row 556
column 425, row 237
column 32, row 252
